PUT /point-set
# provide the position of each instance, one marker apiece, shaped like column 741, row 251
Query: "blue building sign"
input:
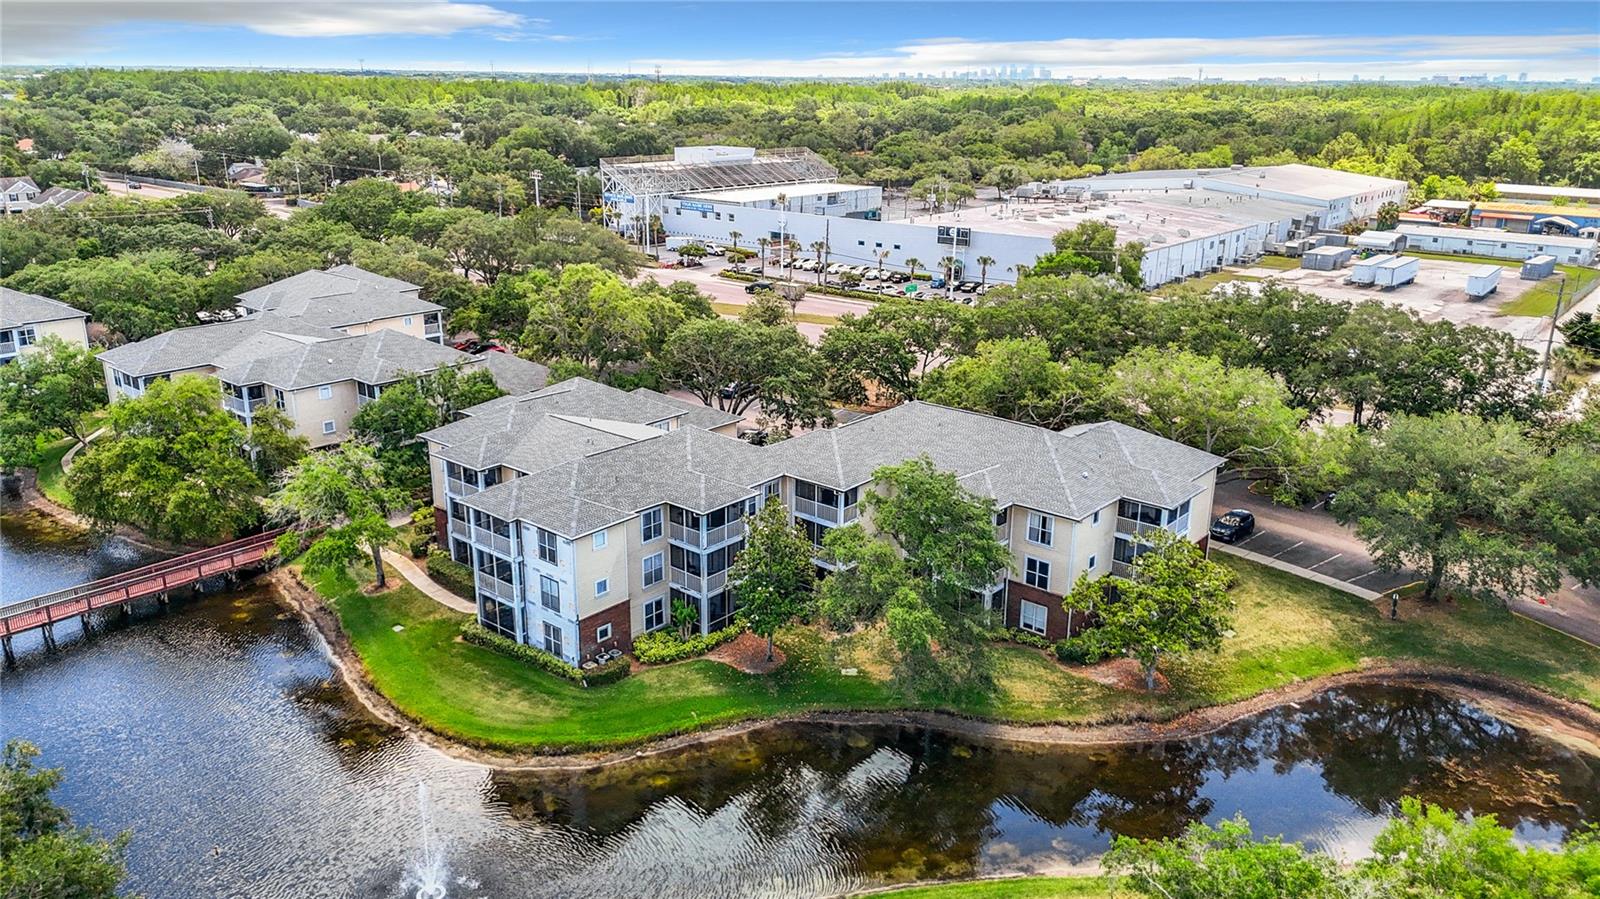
column 695, row 207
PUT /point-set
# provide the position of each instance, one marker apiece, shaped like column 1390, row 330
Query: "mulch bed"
column 748, row 653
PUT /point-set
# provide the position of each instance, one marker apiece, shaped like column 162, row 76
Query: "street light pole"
column 537, row 177
column 1550, row 339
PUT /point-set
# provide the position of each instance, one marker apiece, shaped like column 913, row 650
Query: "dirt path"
column 1571, row 723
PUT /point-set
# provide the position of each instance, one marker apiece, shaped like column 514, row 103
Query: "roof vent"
column 1084, row 475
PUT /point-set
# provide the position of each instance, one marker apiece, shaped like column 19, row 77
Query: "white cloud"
column 1398, row 56
column 52, row 30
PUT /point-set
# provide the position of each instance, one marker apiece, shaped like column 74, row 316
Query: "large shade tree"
column 340, row 499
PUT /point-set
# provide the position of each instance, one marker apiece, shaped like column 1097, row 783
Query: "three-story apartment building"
column 27, row 318
column 586, row 514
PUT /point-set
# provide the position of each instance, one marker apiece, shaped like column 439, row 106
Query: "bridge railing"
column 139, row 575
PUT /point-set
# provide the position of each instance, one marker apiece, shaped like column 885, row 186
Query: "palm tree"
column 734, row 236
column 912, row 263
column 763, row 242
column 1020, row 270
column 948, row 263
column 793, row 248
column 819, row 247
column 983, row 268
column 882, row 255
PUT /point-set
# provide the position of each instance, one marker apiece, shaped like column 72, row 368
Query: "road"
column 1311, row 539
column 275, row 205
column 722, row 290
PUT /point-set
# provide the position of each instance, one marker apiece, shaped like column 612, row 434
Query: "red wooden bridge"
column 120, row 589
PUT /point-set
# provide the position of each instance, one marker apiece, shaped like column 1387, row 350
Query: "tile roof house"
column 585, row 513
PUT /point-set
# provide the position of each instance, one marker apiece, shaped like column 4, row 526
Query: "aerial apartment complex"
column 1190, row 222
column 318, row 346
column 26, row 319
column 586, row 512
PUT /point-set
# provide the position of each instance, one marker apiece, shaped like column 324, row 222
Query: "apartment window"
column 600, row 540
column 550, row 593
column 1036, row 573
column 325, row 392
column 26, row 337
column 407, row 321
column 552, row 639
column 1033, row 617
column 278, row 399
column 771, row 489
column 861, row 243
column 329, row 426
column 730, row 216
column 650, row 525
column 547, row 546
column 602, row 633
column 1091, row 563
column 602, row 587
column 1140, row 512
column 1040, row 529
column 654, row 569
column 655, row 613
column 1095, row 518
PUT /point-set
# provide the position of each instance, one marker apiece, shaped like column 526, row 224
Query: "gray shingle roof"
column 219, row 344
column 376, row 358
column 577, row 396
column 18, row 309
column 342, row 296
column 513, row 374
column 700, row 415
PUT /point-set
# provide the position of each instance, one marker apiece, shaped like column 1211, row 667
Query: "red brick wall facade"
column 1056, row 618
column 441, row 528
column 619, row 617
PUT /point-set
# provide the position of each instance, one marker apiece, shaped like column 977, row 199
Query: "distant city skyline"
column 1481, row 41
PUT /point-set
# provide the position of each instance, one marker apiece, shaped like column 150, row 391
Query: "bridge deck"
column 41, row 610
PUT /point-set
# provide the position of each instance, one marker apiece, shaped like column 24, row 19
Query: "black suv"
column 1234, row 526
column 754, row 286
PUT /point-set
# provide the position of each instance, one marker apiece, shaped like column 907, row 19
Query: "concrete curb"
column 1297, row 571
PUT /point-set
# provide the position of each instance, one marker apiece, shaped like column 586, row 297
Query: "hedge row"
column 665, row 645
column 610, row 672
column 450, row 574
column 812, row 288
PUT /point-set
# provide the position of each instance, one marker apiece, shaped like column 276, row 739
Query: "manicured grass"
column 1281, row 263
column 1541, row 300
column 1287, row 629
column 52, row 480
column 1086, row 887
column 1208, row 281
column 733, row 310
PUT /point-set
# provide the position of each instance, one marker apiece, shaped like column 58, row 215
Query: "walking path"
column 431, row 588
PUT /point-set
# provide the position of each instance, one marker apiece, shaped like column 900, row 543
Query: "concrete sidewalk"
column 419, row 578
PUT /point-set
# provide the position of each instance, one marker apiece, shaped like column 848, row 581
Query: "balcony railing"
column 8, row 347
column 821, row 512
column 458, row 487
column 242, row 405
column 460, row 529
column 688, row 536
column 1121, row 569
column 1135, row 528
column 696, row 583
column 492, row 541
column 497, row 588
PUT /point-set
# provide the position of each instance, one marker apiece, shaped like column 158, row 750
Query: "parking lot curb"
column 1297, row 571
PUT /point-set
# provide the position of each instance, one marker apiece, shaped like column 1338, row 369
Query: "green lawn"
column 1008, row 888
column 52, row 480
column 733, row 310
column 1281, row 263
column 1287, row 629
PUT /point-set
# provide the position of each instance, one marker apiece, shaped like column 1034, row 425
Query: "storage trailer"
column 1483, row 280
column 1537, row 268
column 1397, row 272
column 1365, row 271
column 1326, row 259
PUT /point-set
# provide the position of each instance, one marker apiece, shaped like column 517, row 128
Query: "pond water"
column 216, row 730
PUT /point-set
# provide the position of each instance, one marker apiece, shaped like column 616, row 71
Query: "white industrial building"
column 1498, row 244
column 1190, row 222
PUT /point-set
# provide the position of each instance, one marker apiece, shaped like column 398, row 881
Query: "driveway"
column 1310, row 539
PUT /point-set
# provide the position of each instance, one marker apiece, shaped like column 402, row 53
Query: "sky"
column 1290, row 39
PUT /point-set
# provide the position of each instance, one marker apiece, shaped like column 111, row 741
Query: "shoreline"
column 29, row 496
column 1571, row 723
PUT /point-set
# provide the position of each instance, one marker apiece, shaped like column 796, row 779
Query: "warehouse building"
column 1189, row 222
column 1498, row 244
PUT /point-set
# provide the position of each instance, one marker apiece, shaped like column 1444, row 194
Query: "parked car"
column 730, row 391
column 967, row 286
column 691, row 262
column 1233, row 526
column 891, row 291
column 899, row 277
column 754, row 286
column 984, row 288
column 936, row 283
column 715, row 250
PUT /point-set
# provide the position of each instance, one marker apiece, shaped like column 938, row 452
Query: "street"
column 1310, row 539
column 732, row 293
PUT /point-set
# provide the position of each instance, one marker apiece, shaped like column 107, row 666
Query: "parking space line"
column 1248, row 539
column 1351, row 580
column 1279, row 553
column 1325, row 561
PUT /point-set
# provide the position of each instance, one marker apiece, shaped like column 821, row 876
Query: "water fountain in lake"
column 427, row 873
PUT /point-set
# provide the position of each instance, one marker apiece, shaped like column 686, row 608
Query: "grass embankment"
column 51, row 479
column 1287, row 629
column 1085, row 887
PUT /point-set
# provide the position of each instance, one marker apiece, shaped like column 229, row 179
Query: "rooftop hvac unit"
column 1158, row 238
column 1183, row 232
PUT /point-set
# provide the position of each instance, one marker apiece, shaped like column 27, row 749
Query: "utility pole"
column 537, row 177
column 1550, row 339
column 578, row 180
column 500, row 201
column 197, row 170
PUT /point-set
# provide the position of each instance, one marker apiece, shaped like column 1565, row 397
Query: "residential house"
column 19, row 195
column 26, row 319
column 349, row 299
column 586, row 511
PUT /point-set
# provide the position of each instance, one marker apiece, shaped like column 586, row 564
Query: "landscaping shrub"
column 661, row 646
column 1017, row 635
column 452, row 575
column 1080, row 650
column 612, row 671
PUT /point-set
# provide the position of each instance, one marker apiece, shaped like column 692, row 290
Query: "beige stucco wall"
column 307, row 409
column 638, row 594
column 74, row 331
column 611, row 563
column 415, row 329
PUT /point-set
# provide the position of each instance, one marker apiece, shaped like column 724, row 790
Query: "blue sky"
column 1297, row 40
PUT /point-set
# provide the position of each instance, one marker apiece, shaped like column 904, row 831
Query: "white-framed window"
column 552, row 639
column 650, row 525
column 550, row 593
column 26, row 336
column 655, row 613
column 325, row 392
column 329, row 426
column 599, row 539
column 602, row 633
column 1032, row 617
column 1001, row 516
column 1095, row 518
column 1091, row 563
column 407, row 321
column 654, row 570
column 1036, row 573
column 547, row 546
column 1041, row 529
column 602, row 587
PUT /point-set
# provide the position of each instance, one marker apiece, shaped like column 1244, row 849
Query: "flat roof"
column 1495, row 234
column 771, row 191
column 1485, row 270
column 1155, row 218
column 1546, row 191
column 1328, row 251
column 1536, row 208
column 1398, row 262
column 1304, row 180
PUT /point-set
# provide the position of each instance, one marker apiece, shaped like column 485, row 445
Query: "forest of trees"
column 486, row 137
